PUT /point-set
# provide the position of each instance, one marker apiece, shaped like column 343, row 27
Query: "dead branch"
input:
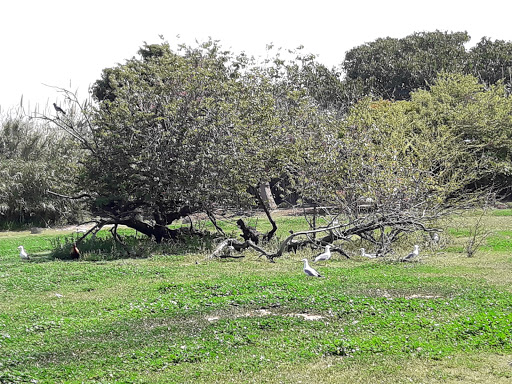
column 220, row 251
column 115, row 235
column 269, row 234
column 362, row 227
column 213, row 219
column 99, row 224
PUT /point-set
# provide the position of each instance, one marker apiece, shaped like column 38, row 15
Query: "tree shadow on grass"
column 130, row 247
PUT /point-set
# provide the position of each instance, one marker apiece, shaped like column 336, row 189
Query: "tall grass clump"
column 33, row 160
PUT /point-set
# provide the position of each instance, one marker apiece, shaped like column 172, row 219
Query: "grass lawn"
column 179, row 318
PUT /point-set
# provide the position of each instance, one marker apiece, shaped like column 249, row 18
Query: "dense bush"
column 33, row 160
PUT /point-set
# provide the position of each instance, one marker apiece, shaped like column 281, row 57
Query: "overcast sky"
column 67, row 43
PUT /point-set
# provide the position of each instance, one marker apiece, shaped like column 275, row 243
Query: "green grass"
column 502, row 212
column 501, row 241
column 177, row 317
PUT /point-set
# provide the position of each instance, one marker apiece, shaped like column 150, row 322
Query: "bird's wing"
column 311, row 272
column 58, row 109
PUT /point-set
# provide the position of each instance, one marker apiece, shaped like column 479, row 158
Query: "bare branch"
column 212, row 218
column 66, row 122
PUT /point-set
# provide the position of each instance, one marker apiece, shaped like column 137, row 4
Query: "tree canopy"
column 392, row 68
column 180, row 132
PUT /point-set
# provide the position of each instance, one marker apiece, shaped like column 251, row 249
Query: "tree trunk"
column 266, row 195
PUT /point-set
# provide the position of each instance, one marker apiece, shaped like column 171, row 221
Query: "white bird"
column 413, row 253
column 310, row 271
column 369, row 255
column 324, row 256
column 435, row 237
column 23, row 253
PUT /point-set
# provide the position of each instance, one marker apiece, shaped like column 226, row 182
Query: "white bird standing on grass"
column 23, row 254
column 413, row 253
column 369, row 255
column 324, row 256
column 310, row 271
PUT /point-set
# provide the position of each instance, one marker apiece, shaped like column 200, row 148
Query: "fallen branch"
column 233, row 244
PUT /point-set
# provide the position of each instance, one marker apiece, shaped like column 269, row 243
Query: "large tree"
column 183, row 131
column 392, row 68
column 491, row 61
column 480, row 116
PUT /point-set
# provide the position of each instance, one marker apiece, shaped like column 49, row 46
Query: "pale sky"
column 66, row 43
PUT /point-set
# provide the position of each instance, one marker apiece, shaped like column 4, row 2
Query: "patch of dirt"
column 265, row 312
column 386, row 294
column 422, row 297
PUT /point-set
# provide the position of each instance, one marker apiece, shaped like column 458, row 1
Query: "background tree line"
column 410, row 125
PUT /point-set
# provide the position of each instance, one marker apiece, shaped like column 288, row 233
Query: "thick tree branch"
column 269, row 234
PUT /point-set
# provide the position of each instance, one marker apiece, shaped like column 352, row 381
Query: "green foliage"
column 34, row 160
column 440, row 142
column 393, row 68
column 198, row 128
column 491, row 61
column 409, row 163
column 166, row 139
column 479, row 118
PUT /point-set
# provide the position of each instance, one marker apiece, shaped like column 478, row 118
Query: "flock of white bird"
column 308, row 270
column 326, row 255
